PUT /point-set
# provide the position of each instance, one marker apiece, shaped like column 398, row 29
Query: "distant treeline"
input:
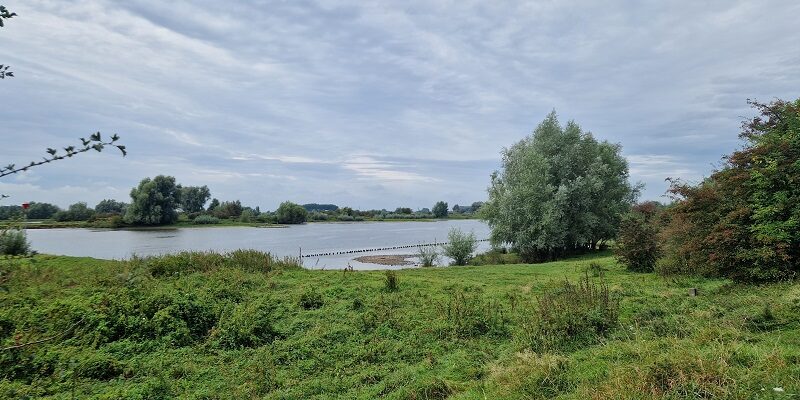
column 161, row 201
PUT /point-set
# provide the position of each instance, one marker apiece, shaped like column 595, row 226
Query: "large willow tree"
column 560, row 192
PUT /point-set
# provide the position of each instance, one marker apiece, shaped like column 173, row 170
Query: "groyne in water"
column 409, row 246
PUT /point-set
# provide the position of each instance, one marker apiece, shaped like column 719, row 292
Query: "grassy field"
column 230, row 327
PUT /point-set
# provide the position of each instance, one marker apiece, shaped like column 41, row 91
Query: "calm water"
column 312, row 238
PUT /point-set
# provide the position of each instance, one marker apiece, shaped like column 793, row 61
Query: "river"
column 313, row 238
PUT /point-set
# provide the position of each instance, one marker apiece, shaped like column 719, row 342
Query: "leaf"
column 122, row 149
column 95, row 137
column 52, row 152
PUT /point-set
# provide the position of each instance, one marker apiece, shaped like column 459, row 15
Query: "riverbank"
column 232, row 329
column 106, row 224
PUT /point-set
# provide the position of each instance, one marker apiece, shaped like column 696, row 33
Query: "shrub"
column 638, row 246
column 460, row 246
column 571, row 315
column 428, row 256
column 13, row 242
column 391, row 282
column 291, row 213
column 311, row 300
column 467, row 314
column 495, row 257
column 742, row 221
column 205, row 220
column 99, row 366
column 247, row 325
column 196, row 261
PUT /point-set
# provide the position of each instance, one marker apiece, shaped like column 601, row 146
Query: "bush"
column 638, row 246
column 460, row 246
column 311, row 300
column 196, row 261
column 742, row 221
column 391, row 282
column 205, row 220
column 467, row 314
column 495, row 257
column 291, row 213
column 428, row 256
column 247, row 325
column 13, row 242
column 570, row 316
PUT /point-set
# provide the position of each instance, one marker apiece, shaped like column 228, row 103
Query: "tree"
column 109, row 206
column 460, row 246
column 194, row 198
column 213, row 205
column 291, row 213
column 228, row 209
column 560, row 192
column 743, row 221
column 440, row 209
column 153, row 202
column 75, row 212
column 638, row 246
column 42, row 210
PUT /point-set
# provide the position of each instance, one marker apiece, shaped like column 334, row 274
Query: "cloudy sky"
column 376, row 104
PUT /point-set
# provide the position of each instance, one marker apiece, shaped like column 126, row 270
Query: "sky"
column 375, row 104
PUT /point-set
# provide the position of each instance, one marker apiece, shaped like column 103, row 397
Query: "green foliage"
column 638, row 246
column 194, row 261
column 205, row 220
column 228, row 209
column 194, row 198
column 311, row 300
column 223, row 331
column 42, row 210
column 743, row 222
column 571, row 315
column 76, row 212
column 497, row 256
column 560, row 192
column 460, row 246
column 248, row 215
column 153, row 202
column 467, row 313
column 291, row 213
column 10, row 212
column 247, row 324
column 440, row 209
column 391, row 282
column 110, row 206
column 13, row 242
column 428, row 256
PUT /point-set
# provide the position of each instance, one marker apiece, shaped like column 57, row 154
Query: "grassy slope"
column 365, row 342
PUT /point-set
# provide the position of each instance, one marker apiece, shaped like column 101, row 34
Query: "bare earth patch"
column 388, row 259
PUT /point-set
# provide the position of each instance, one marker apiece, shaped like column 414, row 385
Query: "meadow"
column 245, row 325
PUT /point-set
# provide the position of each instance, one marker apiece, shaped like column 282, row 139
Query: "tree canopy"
column 440, row 209
column 291, row 213
column 194, row 198
column 560, row 191
column 743, row 222
column 154, row 202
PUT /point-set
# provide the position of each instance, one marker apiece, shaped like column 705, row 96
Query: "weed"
column 391, row 281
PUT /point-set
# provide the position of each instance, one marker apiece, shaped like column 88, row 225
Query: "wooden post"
column 692, row 292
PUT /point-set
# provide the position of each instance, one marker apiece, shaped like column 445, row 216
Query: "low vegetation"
column 244, row 325
column 460, row 246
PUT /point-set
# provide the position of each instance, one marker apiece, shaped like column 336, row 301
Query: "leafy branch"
column 5, row 14
column 4, row 72
column 95, row 142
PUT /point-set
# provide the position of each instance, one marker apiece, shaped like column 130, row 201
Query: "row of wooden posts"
column 336, row 253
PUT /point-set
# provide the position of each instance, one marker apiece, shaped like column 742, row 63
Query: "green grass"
column 221, row 329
